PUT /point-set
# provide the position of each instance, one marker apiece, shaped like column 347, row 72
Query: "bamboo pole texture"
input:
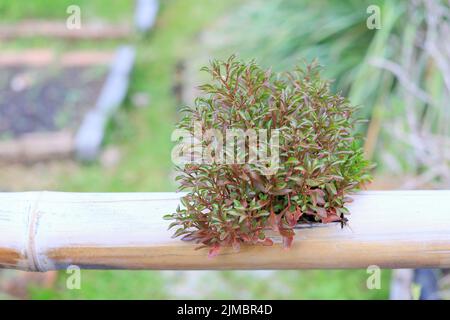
column 41, row 231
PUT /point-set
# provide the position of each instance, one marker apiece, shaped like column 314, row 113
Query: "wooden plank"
column 45, row 57
column 36, row 147
column 58, row 29
column 44, row 231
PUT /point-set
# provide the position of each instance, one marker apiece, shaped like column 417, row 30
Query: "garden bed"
column 44, row 100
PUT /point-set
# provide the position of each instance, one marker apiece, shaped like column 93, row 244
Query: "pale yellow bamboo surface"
column 42, row 231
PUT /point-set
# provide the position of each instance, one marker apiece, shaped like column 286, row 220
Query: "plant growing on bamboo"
column 319, row 160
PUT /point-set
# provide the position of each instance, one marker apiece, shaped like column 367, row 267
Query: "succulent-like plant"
column 319, row 158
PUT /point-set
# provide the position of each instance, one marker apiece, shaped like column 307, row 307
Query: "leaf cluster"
column 321, row 161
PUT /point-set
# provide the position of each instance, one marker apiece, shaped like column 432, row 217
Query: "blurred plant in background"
column 399, row 74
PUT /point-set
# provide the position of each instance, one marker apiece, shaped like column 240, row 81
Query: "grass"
column 313, row 284
column 107, row 285
column 108, row 10
column 144, row 139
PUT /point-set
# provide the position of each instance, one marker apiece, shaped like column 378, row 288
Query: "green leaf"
column 313, row 182
column 331, row 188
column 292, row 160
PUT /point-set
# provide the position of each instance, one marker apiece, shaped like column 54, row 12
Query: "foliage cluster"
column 320, row 158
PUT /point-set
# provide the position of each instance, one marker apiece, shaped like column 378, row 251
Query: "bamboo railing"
column 41, row 231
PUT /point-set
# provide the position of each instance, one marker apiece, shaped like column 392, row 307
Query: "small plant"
column 320, row 160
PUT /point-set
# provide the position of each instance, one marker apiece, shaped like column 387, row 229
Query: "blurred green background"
column 399, row 84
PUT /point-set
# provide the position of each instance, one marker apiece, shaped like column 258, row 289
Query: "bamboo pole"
column 41, row 231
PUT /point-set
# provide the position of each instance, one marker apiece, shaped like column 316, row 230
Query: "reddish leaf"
column 331, row 218
column 214, row 251
column 273, row 221
column 291, row 219
column 281, row 192
column 267, row 242
column 287, row 242
column 236, row 245
column 322, row 212
column 298, row 214
column 317, row 196
column 260, row 186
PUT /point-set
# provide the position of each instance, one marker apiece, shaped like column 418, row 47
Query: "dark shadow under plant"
column 321, row 161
